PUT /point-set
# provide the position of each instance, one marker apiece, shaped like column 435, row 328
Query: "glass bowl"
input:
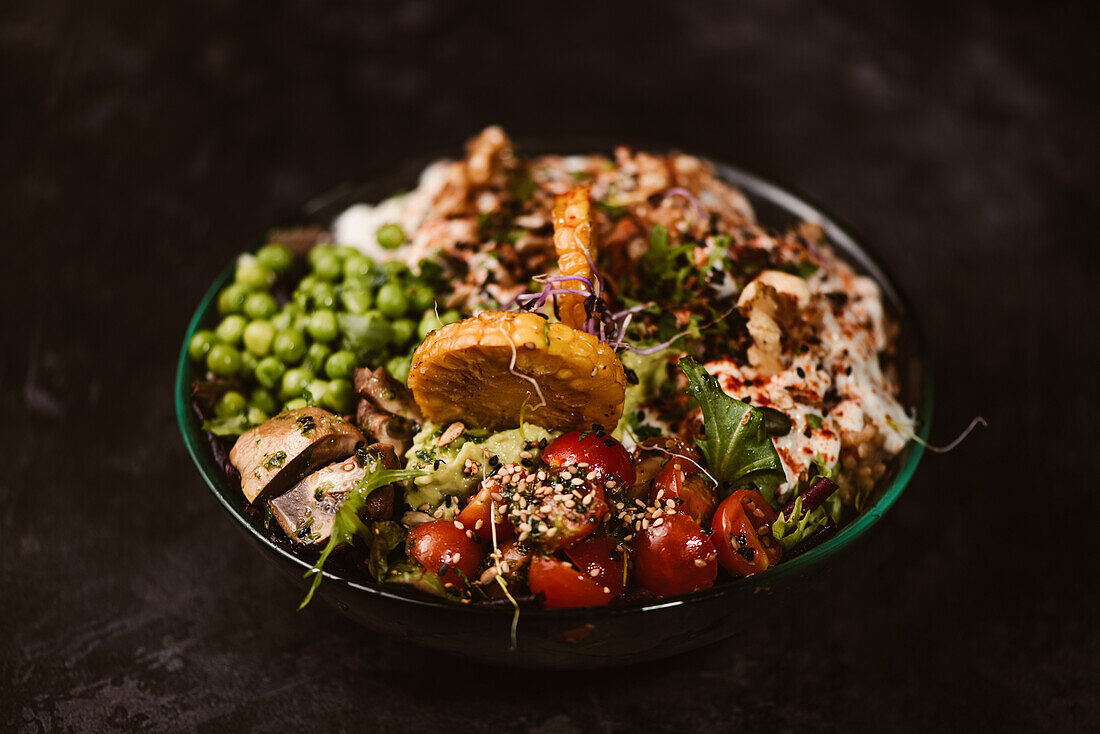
column 599, row 636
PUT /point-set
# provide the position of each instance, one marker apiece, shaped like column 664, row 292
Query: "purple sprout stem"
column 684, row 193
column 812, row 498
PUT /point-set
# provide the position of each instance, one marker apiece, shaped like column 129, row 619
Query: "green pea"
column 263, row 400
column 421, row 297
column 357, row 300
column 231, row 329
column 258, row 336
column 316, row 356
column 223, row 360
column 260, row 306
column 269, row 371
column 319, row 252
column 231, row 300
column 315, row 391
column 328, row 266
column 324, row 295
column 252, row 273
column 248, row 364
column 277, row 257
column 295, row 382
column 391, row 236
column 339, row 396
column 230, row 403
column 428, row 324
column 322, row 326
column 357, row 265
column 307, row 284
column 256, row 416
column 395, row 269
column 399, row 367
column 284, row 319
column 392, row 300
column 200, row 344
column 340, row 365
column 403, row 330
column 290, row 346
column 296, row 404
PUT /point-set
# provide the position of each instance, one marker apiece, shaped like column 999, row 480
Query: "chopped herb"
column 814, row 421
column 274, row 461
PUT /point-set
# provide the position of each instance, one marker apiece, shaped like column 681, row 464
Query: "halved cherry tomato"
column 564, row 586
column 741, row 531
column 475, row 515
column 674, row 557
column 691, row 490
column 596, row 554
column 441, row 548
column 553, row 511
column 603, row 454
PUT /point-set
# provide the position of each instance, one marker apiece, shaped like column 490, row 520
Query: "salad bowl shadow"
column 599, row 636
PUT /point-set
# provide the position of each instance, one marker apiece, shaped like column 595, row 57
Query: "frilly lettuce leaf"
column 346, row 525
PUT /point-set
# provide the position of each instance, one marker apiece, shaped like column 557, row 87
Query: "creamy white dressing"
column 851, row 338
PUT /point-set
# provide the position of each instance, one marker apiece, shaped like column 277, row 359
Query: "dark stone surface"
column 147, row 143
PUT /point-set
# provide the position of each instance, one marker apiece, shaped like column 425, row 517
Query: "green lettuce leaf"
column 737, row 449
column 346, row 525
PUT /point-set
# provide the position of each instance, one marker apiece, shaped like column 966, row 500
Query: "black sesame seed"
column 527, row 462
column 801, row 372
column 746, row 400
column 444, row 569
column 609, row 442
column 494, row 460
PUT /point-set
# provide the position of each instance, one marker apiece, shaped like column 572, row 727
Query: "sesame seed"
column 478, row 524
column 658, row 521
column 700, row 563
column 594, row 572
column 456, row 558
column 459, row 525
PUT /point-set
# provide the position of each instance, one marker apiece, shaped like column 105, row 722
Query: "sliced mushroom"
column 385, row 427
column 281, row 450
column 306, row 512
column 387, row 393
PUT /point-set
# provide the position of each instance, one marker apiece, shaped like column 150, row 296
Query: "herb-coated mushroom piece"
column 281, row 450
column 306, row 511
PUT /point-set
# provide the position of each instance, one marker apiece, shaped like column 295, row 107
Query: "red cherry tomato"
column 441, row 548
column 553, row 511
column 564, row 586
column 603, row 454
column 674, row 557
column 736, row 532
column 691, row 490
column 475, row 515
column 596, row 554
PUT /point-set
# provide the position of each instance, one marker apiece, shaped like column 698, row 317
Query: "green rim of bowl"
column 756, row 188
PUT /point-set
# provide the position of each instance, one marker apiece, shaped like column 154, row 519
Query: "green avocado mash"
column 446, row 465
column 651, row 373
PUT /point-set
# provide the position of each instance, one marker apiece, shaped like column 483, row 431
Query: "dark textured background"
column 146, row 143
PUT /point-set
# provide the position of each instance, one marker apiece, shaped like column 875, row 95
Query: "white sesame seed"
column 459, row 525
column 478, row 524
column 700, row 563
column 658, row 521
column 456, row 558
column 594, row 572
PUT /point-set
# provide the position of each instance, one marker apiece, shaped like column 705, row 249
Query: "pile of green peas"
column 346, row 312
